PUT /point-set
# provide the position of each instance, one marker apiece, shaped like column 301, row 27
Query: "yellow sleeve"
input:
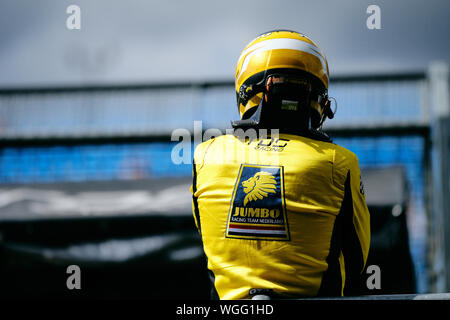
column 356, row 225
column 361, row 215
column 197, row 163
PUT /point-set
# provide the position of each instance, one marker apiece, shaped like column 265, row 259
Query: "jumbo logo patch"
column 257, row 209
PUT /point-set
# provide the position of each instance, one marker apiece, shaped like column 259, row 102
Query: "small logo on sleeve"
column 361, row 186
column 257, row 209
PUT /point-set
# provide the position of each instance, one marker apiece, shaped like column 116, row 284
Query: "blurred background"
column 86, row 118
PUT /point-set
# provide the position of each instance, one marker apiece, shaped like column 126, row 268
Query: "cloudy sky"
column 167, row 40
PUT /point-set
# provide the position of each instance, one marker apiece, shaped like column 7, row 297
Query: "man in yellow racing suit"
column 284, row 213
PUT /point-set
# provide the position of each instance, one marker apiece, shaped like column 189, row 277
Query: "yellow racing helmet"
column 284, row 59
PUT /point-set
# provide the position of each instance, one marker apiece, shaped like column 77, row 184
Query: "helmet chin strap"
column 254, row 122
column 262, row 118
column 251, row 122
column 285, row 104
column 278, row 90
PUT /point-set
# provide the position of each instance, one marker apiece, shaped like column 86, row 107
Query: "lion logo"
column 259, row 186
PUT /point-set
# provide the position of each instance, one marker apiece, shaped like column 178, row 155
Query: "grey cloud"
column 123, row 41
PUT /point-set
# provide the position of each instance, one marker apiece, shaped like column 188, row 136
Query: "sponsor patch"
column 257, row 209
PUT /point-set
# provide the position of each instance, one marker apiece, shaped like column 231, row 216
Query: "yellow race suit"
column 284, row 213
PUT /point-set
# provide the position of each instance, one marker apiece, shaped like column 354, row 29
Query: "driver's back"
column 285, row 213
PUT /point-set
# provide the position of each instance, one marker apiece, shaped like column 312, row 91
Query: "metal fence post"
column 438, row 76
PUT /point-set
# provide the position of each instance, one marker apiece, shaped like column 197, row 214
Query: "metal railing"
column 136, row 110
column 427, row 296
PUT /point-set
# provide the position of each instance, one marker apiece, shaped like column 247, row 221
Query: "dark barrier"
column 136, row 257
column 137, row 239
column 111, row 230
column 387, row 197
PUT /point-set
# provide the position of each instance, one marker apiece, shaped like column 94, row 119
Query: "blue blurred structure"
column 150, row 160
column 56, row 114
column 89, row 163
